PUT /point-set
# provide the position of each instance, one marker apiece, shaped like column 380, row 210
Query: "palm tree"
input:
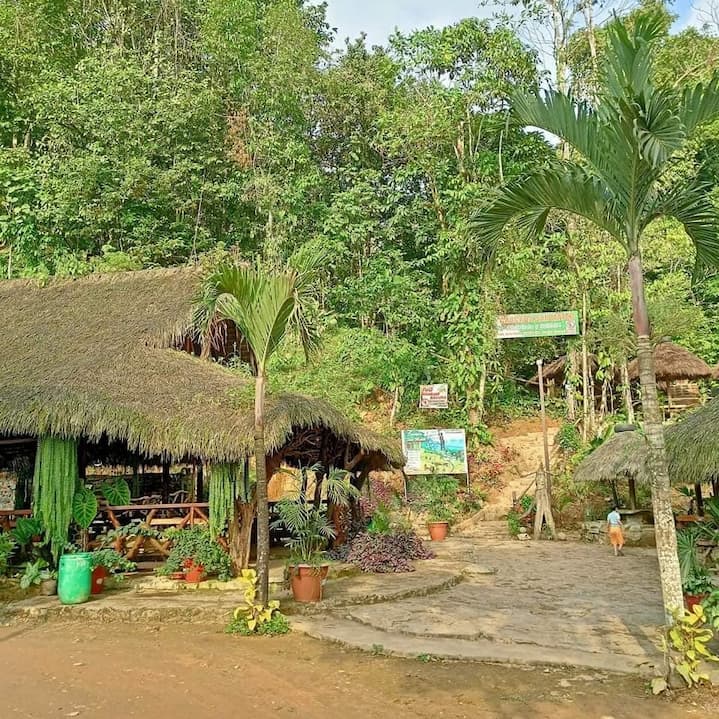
column 622, row 147
column 263, row 304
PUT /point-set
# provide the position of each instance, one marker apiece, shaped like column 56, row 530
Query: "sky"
column 379, row 18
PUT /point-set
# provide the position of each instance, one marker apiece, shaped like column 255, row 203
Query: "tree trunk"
column 585, row 373
column 263, row 509
column 627, row 392
column 661, row 489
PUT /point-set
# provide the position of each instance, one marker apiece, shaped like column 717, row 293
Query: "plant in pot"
column 39, row 573
column 311, row 530
column 438, row 499
column 104, row 562
column 697, row 587
column 196, row 555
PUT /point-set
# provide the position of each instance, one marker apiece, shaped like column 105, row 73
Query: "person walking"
column 616, row 535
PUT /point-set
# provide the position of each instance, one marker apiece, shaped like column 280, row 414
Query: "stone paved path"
column 553, row 602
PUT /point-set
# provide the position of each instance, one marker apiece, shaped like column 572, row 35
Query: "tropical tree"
column 618, row 176
column 263, row 303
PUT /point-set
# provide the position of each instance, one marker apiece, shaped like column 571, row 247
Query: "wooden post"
column 632, row 494
column 700, row 498
column 165, row 482
column 544, row 506
column 545, row 436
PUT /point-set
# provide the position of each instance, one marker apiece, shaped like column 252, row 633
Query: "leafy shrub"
column 686, row 642
column 196, row 544
column 437, row 496
column 381, row 522
column 254, row 618
column 274, row 626
column 112, row 560
column 568, row 438
column 526, row 503
column 513, row 524
column 7, row 546
column 387, row 553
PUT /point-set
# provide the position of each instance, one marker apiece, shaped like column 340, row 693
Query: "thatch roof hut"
column 623, row 455
column 555, row 371
column 673, row 362
column 101, row 358
column 693, row 445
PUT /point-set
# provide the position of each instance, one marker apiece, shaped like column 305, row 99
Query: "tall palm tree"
column 263, row 303
column 623, row 144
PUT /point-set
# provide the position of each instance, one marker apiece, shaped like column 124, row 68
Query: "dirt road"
column 114, row 671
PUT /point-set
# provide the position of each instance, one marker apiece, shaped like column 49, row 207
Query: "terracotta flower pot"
column 48, row 587
column 691, row 600
column 195, row 574
column 438, row 531
column 99, row 575
column 306, row 582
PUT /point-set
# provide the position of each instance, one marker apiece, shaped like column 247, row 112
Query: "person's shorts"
column 616, row 537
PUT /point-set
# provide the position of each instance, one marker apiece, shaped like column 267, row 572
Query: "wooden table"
column 158, row 517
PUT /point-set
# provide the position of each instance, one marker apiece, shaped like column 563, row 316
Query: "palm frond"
column 700, row 105
column 527, row 203
column 691, row 206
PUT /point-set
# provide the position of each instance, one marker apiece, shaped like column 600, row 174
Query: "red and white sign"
column 433, row 396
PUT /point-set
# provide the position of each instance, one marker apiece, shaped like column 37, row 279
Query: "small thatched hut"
column 677, row 371
column 693, row 446
column 110, row 359
column 622, row 456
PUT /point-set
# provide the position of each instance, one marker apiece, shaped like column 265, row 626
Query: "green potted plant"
column 697, row 587
column 438, row 499
column 311, row 530
column 38, row 573
column 104, row 562
column 196, row 555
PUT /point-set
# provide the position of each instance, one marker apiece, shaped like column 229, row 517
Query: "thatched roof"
column 622, row 456
column 693, row 445
column 673, row 362
column 556, row 369
column 96, row 356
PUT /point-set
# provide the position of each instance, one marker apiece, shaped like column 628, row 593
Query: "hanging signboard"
column 542, row 324
column 433, row 396
column 435, row 451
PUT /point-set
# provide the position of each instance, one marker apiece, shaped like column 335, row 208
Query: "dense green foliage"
column 54, row 485
column 135, row 133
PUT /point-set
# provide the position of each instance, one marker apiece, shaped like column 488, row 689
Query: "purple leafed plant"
column 387, row 553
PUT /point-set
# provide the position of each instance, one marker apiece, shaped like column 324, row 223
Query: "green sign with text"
column 542, row 324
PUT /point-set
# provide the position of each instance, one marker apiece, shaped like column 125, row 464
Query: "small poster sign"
column 433, row 396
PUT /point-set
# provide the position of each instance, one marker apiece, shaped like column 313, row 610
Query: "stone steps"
column 355, row 635
column 490, row 531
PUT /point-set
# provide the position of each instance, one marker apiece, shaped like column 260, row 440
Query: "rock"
column 565, row 683
column 478, row 570
column 522, row 536
column 561, row 537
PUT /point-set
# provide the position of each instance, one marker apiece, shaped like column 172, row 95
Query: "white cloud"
column 379, row 18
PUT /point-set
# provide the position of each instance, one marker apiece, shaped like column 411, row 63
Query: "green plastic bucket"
column 74, row 579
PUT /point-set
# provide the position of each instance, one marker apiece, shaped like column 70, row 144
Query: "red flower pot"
column 306, row 582
column 438, row 531
column 691, row 600
column 195, row 574
column 99, row 575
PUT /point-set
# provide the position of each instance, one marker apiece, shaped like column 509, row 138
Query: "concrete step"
column 349, row 633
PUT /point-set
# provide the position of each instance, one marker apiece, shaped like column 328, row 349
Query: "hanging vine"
column 54, row 483
column 223, row 491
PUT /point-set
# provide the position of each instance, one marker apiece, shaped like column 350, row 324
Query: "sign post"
column 545, row 436
column 542, row 324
